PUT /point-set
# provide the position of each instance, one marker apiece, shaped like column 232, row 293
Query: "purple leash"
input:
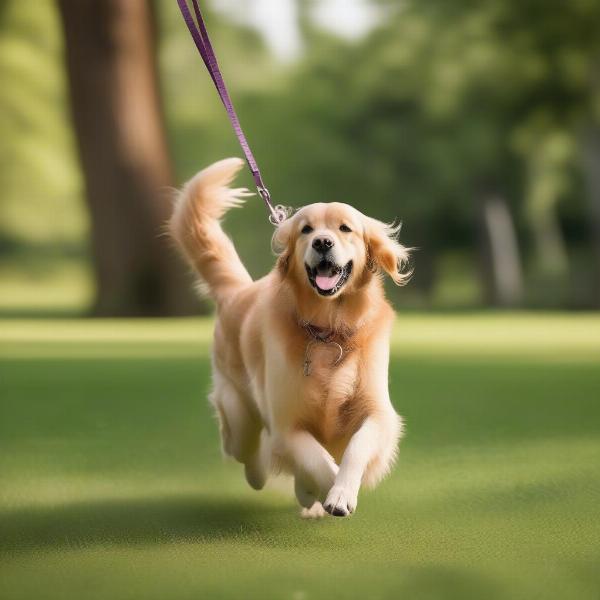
column 277, row 214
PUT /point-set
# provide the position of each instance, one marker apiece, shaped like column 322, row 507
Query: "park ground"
column 112, row 484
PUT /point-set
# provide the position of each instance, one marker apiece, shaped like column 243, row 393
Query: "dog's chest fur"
column 331, row 404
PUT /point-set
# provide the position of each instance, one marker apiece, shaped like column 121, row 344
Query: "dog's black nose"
column 322, row 244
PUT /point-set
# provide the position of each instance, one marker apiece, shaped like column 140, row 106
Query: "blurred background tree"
column 476, row 124
column 110, row 49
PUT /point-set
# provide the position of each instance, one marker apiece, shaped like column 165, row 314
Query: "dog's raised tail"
column 195, row 228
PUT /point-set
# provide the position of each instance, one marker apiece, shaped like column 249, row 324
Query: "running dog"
column 300, row 357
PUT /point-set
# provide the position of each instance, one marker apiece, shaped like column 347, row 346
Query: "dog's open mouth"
column 328, row 278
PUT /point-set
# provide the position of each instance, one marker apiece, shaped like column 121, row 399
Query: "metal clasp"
column 278, row 214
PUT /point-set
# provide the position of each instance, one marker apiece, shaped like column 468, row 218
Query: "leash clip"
column 278, row 213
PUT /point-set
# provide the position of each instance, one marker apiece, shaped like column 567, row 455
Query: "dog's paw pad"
column 338, row 511
column 339, row 502
column 316, row 511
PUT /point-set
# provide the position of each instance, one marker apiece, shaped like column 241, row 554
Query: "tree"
column 113, row 84
column 591, row 166
column 473, row 112
column 417, row 134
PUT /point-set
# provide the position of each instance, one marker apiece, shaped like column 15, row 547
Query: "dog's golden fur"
column 334, row 428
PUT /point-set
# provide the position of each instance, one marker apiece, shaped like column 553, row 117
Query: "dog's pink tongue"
column 327, row 283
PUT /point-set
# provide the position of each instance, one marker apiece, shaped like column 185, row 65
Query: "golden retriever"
column 300, row 357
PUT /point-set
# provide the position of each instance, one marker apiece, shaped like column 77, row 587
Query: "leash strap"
column 277, row 214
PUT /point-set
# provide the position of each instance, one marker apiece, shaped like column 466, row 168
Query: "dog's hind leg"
column 241, row 430
column 258, row 464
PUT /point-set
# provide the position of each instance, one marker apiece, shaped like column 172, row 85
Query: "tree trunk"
column 500, row 263
column 591, row 167
column 110, row 58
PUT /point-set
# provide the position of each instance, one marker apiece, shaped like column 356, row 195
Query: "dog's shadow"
column 140, row 521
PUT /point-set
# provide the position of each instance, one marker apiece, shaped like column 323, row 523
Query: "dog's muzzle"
column 327, row 277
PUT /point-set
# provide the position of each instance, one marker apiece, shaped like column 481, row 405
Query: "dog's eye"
column 345, row 228
column 307, row 229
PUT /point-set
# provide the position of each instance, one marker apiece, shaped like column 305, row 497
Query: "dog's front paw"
column 340, row 501
column 316, row 511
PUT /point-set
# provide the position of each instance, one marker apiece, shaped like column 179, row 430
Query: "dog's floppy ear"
column 282, row 244
column 385, row 252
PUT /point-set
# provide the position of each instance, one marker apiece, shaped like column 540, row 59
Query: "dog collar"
column 326, row 336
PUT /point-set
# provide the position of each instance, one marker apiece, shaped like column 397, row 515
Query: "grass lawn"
column 112, row 485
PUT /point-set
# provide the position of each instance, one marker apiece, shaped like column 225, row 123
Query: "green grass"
column 35, row 286
column 112, row 484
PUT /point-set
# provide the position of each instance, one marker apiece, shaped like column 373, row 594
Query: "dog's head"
column 335, row 249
